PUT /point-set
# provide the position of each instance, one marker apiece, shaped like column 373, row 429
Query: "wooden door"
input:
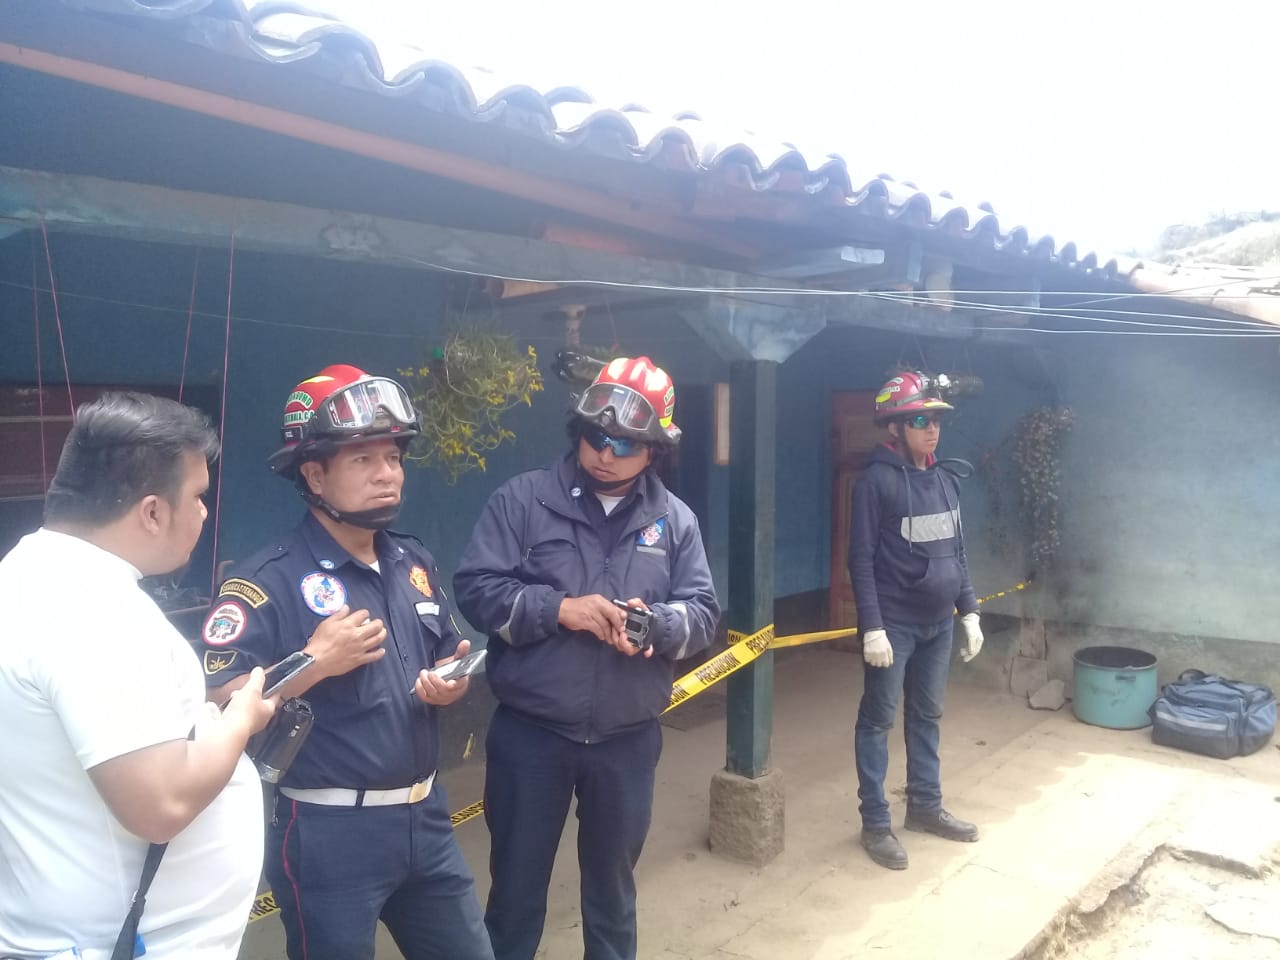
column 854, row 435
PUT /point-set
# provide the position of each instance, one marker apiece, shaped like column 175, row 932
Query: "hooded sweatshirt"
column 906, row 547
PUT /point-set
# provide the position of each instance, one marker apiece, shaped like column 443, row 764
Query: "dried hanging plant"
column 1037, row 450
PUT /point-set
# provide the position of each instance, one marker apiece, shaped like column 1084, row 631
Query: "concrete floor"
column 1069, row 813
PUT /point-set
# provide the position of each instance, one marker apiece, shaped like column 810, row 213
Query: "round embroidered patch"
column 224, row 624
column 323, row 593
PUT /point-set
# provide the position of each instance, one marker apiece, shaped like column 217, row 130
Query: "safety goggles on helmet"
column 622, row 447
column 363, row 406
column 631, row 411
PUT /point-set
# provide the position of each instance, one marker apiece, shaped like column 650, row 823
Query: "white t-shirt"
column 90, row 669
column 609, row 503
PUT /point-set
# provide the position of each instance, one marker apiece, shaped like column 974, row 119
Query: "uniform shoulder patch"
column 250, row 593
column 224, row 624
column 215, row 661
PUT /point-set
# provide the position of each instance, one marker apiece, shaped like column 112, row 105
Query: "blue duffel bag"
column 1219, row 718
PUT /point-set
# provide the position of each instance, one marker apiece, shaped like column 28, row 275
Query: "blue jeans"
column 531, row 778
column 921, row 662
column 337, row 871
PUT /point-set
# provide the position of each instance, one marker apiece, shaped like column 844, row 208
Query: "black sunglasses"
column 621, row 446
column 922, row 420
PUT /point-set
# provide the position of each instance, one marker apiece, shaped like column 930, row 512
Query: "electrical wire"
column 1262, row 329
column 1247, row 327
column 792, row 291
column 907, row 297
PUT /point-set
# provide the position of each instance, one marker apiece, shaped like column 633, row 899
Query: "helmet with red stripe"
column 631, row 397
column 342, row 404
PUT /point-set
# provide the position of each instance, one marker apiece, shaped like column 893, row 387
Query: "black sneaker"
column 942, row 824
column 883, row 847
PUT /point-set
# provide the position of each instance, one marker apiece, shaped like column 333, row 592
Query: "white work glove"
column 972, row 636
column 876, row 650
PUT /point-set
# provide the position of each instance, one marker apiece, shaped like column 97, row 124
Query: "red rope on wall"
column 35, row 299
column 191, row 309
column 57, row 315
column 226, row 359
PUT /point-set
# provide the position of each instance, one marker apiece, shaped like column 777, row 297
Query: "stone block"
column 747, row 816
column 1049, row 697
column 1028, row 675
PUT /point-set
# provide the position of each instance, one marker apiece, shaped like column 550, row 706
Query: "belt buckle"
column 419, row 791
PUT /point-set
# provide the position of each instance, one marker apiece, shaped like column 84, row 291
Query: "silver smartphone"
column 278, row 674
column 463, row 667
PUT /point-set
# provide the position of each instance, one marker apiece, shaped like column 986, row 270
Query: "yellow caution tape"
column 744, row 649
column 264, row 905
column 742, row 652
column 467, row 813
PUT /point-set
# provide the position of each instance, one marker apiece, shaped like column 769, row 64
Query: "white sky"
column 1094, row 121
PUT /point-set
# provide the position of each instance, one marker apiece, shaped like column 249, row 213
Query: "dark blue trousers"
column 531, row 777
column 921, row 662
column 337, row 871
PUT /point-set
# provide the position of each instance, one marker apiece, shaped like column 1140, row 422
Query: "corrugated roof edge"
column 568, row 117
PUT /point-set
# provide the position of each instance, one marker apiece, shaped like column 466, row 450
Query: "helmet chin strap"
column 378, row 518
column 600, row 486
column 603, row 486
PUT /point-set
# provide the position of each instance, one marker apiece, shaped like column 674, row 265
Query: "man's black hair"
column 122, row 448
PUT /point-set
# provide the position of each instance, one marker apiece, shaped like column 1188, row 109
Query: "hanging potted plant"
column 463, row 390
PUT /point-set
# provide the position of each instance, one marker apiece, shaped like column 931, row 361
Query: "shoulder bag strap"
column 127, row 941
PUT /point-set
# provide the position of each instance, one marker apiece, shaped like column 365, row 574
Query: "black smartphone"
column 278, row 674
column 637, row 625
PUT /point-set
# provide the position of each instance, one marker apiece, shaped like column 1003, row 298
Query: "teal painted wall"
column 1166, row 509
column 1170, row 488
column 124, row 317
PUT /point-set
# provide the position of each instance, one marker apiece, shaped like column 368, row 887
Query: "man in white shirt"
column 98, row 693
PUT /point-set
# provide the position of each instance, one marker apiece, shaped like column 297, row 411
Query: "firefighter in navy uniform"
column 361, row 830
column 579, row 699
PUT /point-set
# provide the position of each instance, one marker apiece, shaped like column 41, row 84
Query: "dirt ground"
column 1177, row 908
column 1096, row 844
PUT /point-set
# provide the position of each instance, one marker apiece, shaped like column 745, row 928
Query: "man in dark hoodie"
column 907, row 564
column 579, row 697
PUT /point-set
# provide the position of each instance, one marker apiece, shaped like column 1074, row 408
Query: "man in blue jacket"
column 579, row 696
column 907, row 564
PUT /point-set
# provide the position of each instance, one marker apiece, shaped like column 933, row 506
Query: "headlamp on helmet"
column 909, row 393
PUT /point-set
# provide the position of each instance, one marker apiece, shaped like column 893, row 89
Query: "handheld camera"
column 637, row 625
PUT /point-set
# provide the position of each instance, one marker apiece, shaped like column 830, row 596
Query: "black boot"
column 942, row 824
column 883, row 847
